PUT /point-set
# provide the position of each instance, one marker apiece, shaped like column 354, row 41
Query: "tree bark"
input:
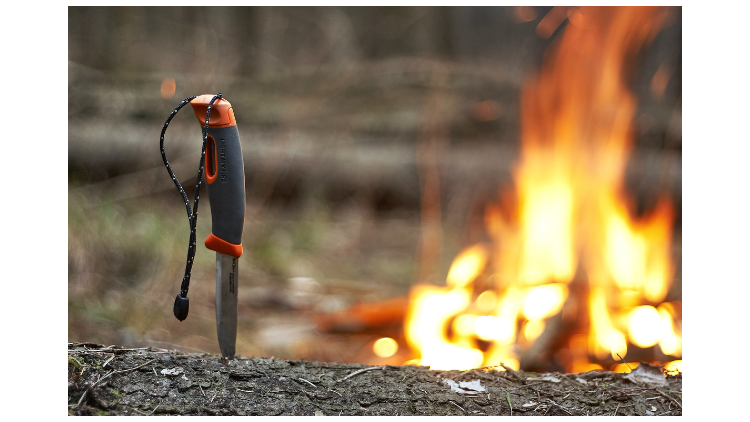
column 118, row 381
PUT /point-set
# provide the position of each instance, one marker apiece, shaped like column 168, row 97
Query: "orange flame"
column 571, row 213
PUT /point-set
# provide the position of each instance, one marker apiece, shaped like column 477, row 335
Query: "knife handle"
column 225, row 175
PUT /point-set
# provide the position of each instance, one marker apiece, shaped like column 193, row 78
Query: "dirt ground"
column 116, row 381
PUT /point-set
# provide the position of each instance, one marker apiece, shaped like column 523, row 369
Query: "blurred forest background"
column 342, row 113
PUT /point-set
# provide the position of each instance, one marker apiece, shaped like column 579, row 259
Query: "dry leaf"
column 465, row 387
column 647, row 374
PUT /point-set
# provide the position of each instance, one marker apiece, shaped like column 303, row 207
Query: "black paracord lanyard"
column 181, row 302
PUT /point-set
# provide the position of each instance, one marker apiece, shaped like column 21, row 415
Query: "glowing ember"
column 574, row 224
column 385, row 347
column 644, row 328
column 674, row 366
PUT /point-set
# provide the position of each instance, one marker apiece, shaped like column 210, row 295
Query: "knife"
column 225, row 177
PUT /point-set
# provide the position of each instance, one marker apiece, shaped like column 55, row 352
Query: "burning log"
column 117, row 381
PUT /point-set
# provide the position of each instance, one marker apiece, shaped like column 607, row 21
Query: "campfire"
column 572, row 279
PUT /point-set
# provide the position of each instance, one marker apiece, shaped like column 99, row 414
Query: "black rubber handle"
column 227, row 191
column 225, row 177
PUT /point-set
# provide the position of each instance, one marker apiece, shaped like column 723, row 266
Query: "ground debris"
column 647, row 374
column 158, row 382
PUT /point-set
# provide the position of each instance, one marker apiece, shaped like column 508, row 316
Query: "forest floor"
column 110, row 380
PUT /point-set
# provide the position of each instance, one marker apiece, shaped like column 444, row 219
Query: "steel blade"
column 226, row 303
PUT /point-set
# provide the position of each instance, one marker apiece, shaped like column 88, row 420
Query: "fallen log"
column 118, row 381
column 363, row 317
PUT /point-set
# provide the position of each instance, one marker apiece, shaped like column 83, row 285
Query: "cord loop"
column 181, row 301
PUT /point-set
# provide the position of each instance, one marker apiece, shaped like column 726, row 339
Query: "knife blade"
column 226, row 302
column 225, row 177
